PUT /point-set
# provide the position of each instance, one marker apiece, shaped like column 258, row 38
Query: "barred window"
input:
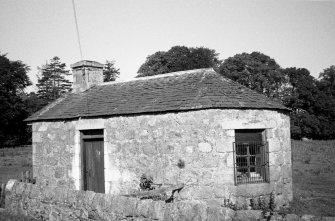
column 251, row 157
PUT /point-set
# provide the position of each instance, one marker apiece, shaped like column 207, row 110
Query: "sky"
column 294, row 33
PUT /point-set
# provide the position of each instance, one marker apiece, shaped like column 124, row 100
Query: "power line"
column 75, row 19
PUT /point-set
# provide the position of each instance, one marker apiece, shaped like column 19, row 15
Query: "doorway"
column 93, row 160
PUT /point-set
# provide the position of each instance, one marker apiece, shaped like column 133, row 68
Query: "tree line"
column 16, row 105
column 311, row 100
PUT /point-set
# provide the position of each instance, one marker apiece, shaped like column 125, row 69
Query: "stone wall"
column 53, row 153
column 155, row 144
column 59, row 203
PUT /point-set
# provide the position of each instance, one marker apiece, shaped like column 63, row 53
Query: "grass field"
column 313, row 177
column 313, row 174
column 13, row 161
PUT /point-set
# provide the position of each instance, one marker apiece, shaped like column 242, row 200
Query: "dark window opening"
column 251, row 161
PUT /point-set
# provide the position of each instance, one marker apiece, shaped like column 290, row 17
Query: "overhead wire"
column 81, row 54
column 78, row 36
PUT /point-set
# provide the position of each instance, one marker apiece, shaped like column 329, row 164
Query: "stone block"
column 189, row 149
column 205, row 147
column 114, row 174
column 276, row 158
column 287, row 188
column 209, row 161
column 59, row 172
column 274, row 145
column 308, row 218
column 199, row 211
column 214, row 213
column 98, row 202
column 19, row 188
column 222, row 162
column 144, row 207
column 43, row 126
column 227, row 213
column 186, row 193
column 287, row 155
column 275, row 173
column 256, row 189
column 87, row 198
column 327, row 218
column 230, row 160
column 186, row 211
column 276, row 217
column 220, row 191
column 89, row 124
column 37, row 137
column 224, row 144
column 71, row 198
column 112, row 148
column 149, row 150
column 156, row 210
column 35, row 192
column 55, row 214
column 203, row 192
column 269, row 133
column 126, row 206
column 48, row 193
column 224, row 177
column 60, row 194
column 35, row 126
column 287, row 171
column 171, row 212
column 291, row 217
column 230, row 133
column 168, row 148
column 252, row 215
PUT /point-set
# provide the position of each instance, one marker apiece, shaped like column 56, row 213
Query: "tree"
column 313, row 107
column 178, row 58
column 53, row 83
column 13, row 80
column 110, row 72
column 301, row 90
column 256, row 71
column 327, row 81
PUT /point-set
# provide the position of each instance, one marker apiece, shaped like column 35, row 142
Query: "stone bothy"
column 218, row 138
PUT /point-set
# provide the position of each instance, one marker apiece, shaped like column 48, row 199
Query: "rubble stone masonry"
column 153, row 144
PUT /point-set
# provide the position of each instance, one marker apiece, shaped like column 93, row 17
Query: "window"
column 251, row 161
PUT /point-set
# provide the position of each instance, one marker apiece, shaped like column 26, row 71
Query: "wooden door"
column 93, row 165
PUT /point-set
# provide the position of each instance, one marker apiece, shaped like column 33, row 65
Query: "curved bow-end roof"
column 178, row 91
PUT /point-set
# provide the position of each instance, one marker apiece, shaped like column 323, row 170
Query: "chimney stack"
column 86, row 74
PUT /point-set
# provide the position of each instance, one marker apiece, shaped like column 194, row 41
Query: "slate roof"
column 179, row 91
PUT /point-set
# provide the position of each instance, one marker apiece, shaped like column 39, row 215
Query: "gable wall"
column 153, row 145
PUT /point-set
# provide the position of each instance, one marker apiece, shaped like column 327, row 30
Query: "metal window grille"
column 251, row 162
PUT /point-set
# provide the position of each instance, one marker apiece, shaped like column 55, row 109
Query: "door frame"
column 87, row 135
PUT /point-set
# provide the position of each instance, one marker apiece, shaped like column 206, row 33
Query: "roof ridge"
column 170, row 74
